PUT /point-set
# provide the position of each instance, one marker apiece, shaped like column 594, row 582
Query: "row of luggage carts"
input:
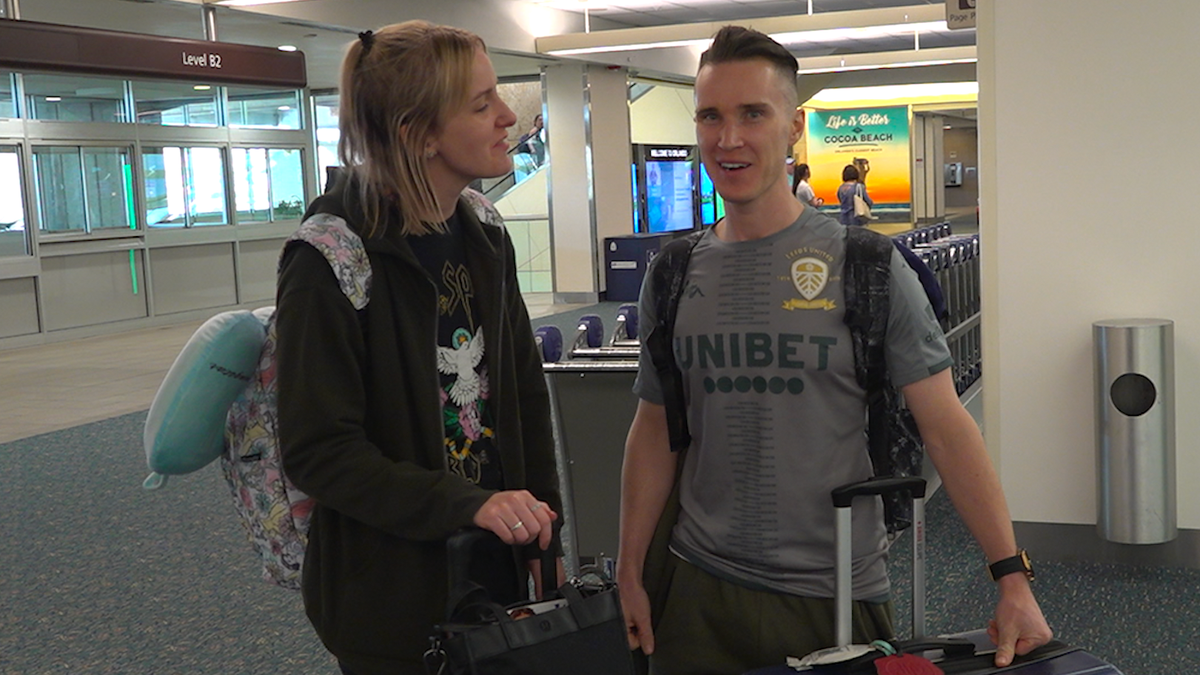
column 954, row 260
column 589, row 341
column 590, row 374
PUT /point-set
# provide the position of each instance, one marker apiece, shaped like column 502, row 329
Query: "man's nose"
column 729, row 136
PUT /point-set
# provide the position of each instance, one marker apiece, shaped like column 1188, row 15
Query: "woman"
column 533, row 142
column 851, row 186
column 802, row 189
column 426, row 411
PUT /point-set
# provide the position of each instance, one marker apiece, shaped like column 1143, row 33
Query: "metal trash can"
column 1135, row 430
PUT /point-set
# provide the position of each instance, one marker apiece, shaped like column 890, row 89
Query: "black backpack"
column 894, row 443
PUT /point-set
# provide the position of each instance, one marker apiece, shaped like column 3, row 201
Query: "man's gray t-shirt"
column 776, row 415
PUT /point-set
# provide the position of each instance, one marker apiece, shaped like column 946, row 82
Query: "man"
column 776, row 415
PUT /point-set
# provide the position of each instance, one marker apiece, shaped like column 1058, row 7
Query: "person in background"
column 533, row 142
column 426, row 411
column 852, row 186
column 726, row 554
column 802, row 189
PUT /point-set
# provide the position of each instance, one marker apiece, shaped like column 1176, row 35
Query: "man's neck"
column 767, row 215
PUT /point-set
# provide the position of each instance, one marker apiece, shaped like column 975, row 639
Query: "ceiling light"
column 248, row 3
column 202, row 87
column 862, row 33
column 877, row 66
column 701, row 44
column 852, row 25
column 54, row 99
column 286, row 48
column 958, row 90
column 906, row 58
column 285, row 108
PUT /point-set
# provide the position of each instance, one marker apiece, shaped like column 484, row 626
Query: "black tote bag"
column 579, row 632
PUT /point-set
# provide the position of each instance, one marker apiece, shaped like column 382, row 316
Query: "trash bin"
column 1135, row 430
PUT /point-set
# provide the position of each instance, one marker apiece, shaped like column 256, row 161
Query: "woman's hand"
column 517, row 517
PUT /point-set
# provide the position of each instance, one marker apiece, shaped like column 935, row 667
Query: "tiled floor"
column 55, row 386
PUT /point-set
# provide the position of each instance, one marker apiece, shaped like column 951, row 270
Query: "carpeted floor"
column 99, row 576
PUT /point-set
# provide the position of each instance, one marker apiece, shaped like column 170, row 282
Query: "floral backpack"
column 275, row 513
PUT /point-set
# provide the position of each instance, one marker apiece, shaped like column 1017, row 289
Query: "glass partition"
column 251, row 185
column 325, row 120
column 69, row 98
column 184, row 187
column 176, row 103
column 82, row 189
column 13, row 241
column 8, row 104
column 268, row 184
column 264, row 108
column 287, row 184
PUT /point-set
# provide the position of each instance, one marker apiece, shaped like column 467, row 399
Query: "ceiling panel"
column 324, row 44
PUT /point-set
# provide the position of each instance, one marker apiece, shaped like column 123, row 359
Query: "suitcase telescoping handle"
column 843, row 497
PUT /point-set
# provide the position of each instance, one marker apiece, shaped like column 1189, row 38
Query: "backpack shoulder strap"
column 667, row 273
column 484, row 210
column 344, row 250
column 866, row 277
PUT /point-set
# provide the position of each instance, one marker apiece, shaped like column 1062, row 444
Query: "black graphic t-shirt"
column 466, row 414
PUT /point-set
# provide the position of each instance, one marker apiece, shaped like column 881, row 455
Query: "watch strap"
column 1017, row 563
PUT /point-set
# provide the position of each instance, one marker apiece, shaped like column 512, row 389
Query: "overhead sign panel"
column 31, row 45
column 960, row 14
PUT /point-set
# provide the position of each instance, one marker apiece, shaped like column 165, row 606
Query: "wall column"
column 587, row 122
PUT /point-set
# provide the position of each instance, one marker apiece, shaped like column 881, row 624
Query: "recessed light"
column 287, row 48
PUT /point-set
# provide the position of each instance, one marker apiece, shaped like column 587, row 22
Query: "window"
column 325, row 120
column 8, row 107
column 176, row 104
column 82, row 189
column 12, row 209
column 268, row 184
column 264, row 108
column 185, row 187
column 68, row 98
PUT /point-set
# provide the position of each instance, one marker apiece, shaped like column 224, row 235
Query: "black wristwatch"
column 1017, row 563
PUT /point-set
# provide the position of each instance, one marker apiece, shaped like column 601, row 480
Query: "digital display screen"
column 669, row 196
column 712, row 207
column 637, row 213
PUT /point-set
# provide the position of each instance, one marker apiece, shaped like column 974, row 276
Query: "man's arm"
column 647, row 476
column 957, row 450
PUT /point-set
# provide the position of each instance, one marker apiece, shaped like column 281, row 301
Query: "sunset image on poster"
column 836, row 138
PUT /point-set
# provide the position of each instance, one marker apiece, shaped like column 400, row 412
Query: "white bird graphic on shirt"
column 461, row 360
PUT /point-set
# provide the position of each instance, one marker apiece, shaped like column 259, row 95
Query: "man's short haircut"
column 850, row 173
column 738, row 43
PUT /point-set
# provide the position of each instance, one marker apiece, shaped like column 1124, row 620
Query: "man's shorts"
column 712, row 626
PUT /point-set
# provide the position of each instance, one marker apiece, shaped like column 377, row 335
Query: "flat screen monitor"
column 712, row 207
column 669, row 205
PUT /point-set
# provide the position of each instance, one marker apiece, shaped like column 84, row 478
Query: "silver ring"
column 536, row 506
column 518, row 526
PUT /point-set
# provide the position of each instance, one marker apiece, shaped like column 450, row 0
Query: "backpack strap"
column 893, row 440
column 866, row 278
column 484, row 210
column 344, row 250
column 667, row 274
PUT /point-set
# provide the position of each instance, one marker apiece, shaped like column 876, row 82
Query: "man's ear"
column 797, row 125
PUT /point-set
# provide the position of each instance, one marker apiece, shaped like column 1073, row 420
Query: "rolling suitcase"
column 970, row 653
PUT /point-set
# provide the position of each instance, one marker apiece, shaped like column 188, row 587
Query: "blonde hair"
column 398, row 84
